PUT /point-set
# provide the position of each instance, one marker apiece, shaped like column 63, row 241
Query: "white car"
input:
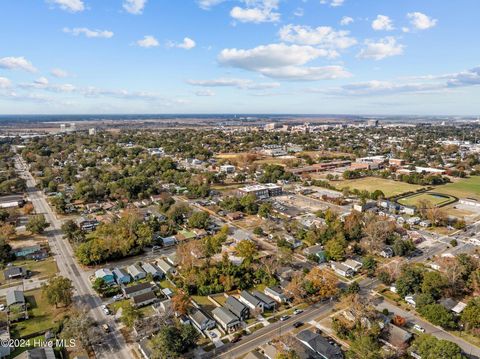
column 419, row 328
column 297, row 311
column 2, row 307
column 117, row 297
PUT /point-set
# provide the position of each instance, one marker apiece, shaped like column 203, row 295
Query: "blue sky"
column 240, row 56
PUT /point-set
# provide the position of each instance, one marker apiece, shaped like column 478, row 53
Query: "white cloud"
column 69, row 5
column 59, row 73
column 346, row 20
column 332, row 3
column 205, row 93
column 282, row 61
column 381, row 49
column 299, row 12
column 421, row 21
column 207, row 4
column 187, row 44
column 16, row 63
column 42, row 83
column 257, row 11
column 5, row 83
column 242, row 84
column 88, row 32
column 134, row 6
column 382, row 22
column 323, row 36
column 148, row 41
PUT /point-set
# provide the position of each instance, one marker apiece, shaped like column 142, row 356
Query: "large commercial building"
column 261, row 191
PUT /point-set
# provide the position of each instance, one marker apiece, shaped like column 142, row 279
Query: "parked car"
column 117, row 297
column 284, row 317
column 297, row 311
column 419, row 328
column 2, row 307
column 105, row 309
column 212, row 335
column 297, row 324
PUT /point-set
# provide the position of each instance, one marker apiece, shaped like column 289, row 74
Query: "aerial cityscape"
column 251, row 179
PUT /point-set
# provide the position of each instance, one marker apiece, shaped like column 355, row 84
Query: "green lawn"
column 432, row 198
column 42, row 316
column 39, row 269
column 462, row 188
column 388, row 187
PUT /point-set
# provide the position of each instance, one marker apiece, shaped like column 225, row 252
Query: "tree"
column 429, row 347
column 265, row 209
column 335, row 249
column 7, row 231
column 409, row 281
column 173, row 341
column 81, row 327
column 433, row 284
column 438, row 315
column 199, row 219
column 37, row 224
column 246, row 249
column 364, row 347
column 130, row 314
column 72, row 232
column 471, row 314
column 178, row 212
column 320, row 283
column 58, row 290
column 295, row 288
column 288, row 354
column 5, row 252
column 180, row 302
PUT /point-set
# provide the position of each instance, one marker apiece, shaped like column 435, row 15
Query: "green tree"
column 437, row 314
column 246, row 249
column 433, row 284
column 409, row 281
column 265, row 209
column 130, row 314
column 335, row 249
column 37, row 224
column 429, row 347
column 173, row 341
column 58, row 290
column 199, row 219
column 471, row 314
column 364, row 347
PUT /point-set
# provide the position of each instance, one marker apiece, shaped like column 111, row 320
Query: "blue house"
column 106, row 274
column 121, row 277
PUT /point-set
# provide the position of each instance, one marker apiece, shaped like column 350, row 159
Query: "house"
column 237, row 308
column 319, row 345
column 227, row 168
column 453, row 305
column 165, row 267
column 144, row 299
column 168, row 241
column 15, row 297
column 398, row 337
column 121, row 277
column 11, row 201
column 268, row 303
column 152, row 269
column 136, row 272
column 137, row 289
column 172, row 259
column 38, row 353
column 276, row 293
column 411, row 299
column 425, row 223
column 387, row 252
column 352, row 263
column 105, row 274
column 185, row 235
column 167, row 292
column 14, row 272
column 343, row 270
column 31, row 252
column 252, row 302
column 5, row 338
column 227, row 320
column 200, row 320
column 316, row 251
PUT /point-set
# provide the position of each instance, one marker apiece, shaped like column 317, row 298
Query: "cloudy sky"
column 240, row 56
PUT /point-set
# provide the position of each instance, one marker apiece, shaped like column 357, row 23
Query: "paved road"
column 264, row 335
column 114, row 344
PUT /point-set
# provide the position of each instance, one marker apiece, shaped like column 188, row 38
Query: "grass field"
column 462, row 188
column 42, row 316
column 388, row 187
column 435, row 200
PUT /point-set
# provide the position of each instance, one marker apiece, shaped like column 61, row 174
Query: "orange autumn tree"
column 320, row 284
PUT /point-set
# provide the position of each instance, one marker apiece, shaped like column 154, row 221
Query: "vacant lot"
column 432, row 198
column 462, row 188
column 388, row 187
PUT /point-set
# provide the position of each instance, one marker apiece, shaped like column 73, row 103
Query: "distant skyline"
column 240, row 56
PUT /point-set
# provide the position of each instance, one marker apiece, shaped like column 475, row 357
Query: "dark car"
column 297, row 324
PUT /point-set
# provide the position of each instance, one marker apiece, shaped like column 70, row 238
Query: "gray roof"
column 235, row 306
column 164, row 266
column 145, row 297
column 263, row 297
column 120, row 273
column 37, row 353
column 137, row 288
column 198, row 317
column 14, row 297
column 319, row 344
column 250, row 298
column 224, row 315
column 135, row 269
column 13, row 271
column 151, row 268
